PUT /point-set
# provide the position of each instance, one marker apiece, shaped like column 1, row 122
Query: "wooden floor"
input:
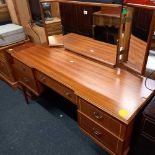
column 90, row 48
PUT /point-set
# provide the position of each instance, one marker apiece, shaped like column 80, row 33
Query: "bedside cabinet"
column 144, row 140
column 53, row 27
column 148, row 125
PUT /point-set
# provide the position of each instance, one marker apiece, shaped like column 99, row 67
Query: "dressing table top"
column 115, row 91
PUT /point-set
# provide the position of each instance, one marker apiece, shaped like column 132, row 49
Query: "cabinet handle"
column 1, row 63
column 68, row 94
column 97, row 132
column 26, row 79
column 23, row 69
column 43, row 79
column 97, row 115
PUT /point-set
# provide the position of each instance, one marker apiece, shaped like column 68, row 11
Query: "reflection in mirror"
column 88, row 29
column 138, row 45
column 150, row 67
column 92, row 30
column 52, row 22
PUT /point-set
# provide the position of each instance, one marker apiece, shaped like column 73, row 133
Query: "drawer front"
column 101, row 135
column 100, row 117
column 106, row 21
column 54, row 28
column 28, row 82
column 25, row 75
column 23, row 69
column 4, row 68
column 56, row 86
column 149, row 128
column 2, row 55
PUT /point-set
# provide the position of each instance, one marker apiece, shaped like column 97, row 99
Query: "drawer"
column 56, row 86
column 56, row 25
column 105, row 21
column 28, row 82
column 2, row 55
column 149, row 128
column 101, row 135
column 54, row 28
column 24, row 74
column 23, row 69
column 100, row 117
column 4, row 68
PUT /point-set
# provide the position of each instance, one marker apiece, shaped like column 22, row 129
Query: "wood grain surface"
column 109, row 89
column 136, row 55
column 93, row 49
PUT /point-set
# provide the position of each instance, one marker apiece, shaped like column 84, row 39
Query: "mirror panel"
column 138, row 38
column 51, row 20
column 97, row 22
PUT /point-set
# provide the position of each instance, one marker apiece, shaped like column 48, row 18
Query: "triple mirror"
column 100, row 31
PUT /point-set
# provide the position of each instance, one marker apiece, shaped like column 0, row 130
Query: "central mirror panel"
column 89, row 28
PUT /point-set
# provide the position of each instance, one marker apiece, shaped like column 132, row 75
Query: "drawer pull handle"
column 26, row 79
column 1, row 63
column 43, row 79
column 97, row 132
column 97, row 115
column 23, row 69
column 68, row 94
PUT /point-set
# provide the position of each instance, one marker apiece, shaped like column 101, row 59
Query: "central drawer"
column 56, row 86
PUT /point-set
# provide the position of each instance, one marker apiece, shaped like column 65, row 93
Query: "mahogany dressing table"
column 108, row 100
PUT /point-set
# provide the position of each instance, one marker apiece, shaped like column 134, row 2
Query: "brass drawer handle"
column 43, row 79
column 68, row 94
column 97, row 132
column 1, row 63
column 25, row 79
column 97, row 115
column 23, row 69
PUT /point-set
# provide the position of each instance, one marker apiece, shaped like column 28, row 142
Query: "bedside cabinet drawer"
column 100, row 117
column 23, row 69
column 28, row 82
column 97, row 132
column 2, row 55
column 56, row 86
column 54, row 28
column 4, row 68
column 149, row 129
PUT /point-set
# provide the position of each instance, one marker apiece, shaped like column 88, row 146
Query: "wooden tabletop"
column 14, row 44
column 112, row 90
column 97, row 50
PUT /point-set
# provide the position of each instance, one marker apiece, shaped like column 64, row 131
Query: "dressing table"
column 107, row 97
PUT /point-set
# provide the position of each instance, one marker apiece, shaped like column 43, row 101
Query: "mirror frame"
column 102, row 5
column 127, row 35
